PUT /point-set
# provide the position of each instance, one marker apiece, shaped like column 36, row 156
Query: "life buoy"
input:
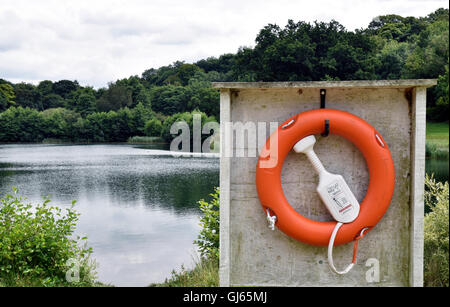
column 364, row 137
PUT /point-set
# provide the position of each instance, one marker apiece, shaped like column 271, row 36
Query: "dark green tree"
column 27, row 96
column 85, row 104
column 153, row 127
column 64, row 87
column 114, row 98
column 53, row 100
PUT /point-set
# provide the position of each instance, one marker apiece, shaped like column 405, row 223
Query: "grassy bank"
column 146, row 140
column 437, row 140
column 204, row 274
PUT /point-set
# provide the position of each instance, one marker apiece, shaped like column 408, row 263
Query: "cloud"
column 96, row 42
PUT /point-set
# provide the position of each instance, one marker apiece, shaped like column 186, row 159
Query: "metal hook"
column 323, row 94
column 326, row 132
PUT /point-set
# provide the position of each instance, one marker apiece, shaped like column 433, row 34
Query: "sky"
column 100, row 41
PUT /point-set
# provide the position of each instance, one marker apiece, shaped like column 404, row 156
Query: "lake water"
column 138, row 204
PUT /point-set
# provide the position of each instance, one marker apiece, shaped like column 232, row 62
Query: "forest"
column 391, row 47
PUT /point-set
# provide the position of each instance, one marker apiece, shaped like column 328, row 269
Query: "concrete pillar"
column 253, row 255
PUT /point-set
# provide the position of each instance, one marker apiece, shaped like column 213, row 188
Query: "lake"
column 138, row 204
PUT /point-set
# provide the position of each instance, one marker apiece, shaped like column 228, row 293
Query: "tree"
column 19, row 124
column 153, row 127
column 391, row 60
column 45, row 87
column 140, row 115
column 60, row 123
column 116, row 97
column 53, row 101
column 431, row 53
column 7, row 96
column 85, row 104
column 186, row 72
column 27, row 96
column 64, row 87
column 169, row 99
column 302, row 51
column 139, row 94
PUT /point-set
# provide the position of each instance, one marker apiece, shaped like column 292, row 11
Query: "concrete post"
column 391, row 254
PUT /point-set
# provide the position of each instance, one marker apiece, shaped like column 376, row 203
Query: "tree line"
column 391, row 47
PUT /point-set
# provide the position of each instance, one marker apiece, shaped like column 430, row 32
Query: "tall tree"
column 116, row 97
column 27, row 96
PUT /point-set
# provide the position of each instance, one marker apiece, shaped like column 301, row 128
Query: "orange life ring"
column 364, row 137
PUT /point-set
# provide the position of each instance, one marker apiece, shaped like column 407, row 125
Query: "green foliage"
column 430, row 54
column 45, row 87
column 184, row 117
column 304, row 52
column 115, row 97
column 169, row 99
column 19, row 124
column 59, row 123
column 139, row 94
column 85, row 104
column 52, row 100
column 7, row 96
column 204, row 274
column 390, row 61
column 27, row 96
column 437, row 140
column 64, row 88
column 436, row 244
column 153, row 127
column 208, row 239
column 36, row 243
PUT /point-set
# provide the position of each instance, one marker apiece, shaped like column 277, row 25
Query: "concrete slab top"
column 406, row 83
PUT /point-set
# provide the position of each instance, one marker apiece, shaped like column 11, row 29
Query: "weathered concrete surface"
column 252, row 254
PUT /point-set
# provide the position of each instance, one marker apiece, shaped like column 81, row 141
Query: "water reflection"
column 138, row 205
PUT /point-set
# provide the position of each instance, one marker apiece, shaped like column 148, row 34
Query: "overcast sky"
column 98, row 41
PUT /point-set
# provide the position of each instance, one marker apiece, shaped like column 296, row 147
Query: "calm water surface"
column 137, row 204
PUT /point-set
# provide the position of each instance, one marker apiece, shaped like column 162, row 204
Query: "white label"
column 336, row 193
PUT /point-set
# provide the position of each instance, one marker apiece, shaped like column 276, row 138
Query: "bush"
column 436, row 256
column 36, row 245
column 153, row 127
column 208, row 239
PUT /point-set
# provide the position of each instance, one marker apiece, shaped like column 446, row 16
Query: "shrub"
column 436, row 256
column 36, row 245
column 208, row 239
column 153, row 127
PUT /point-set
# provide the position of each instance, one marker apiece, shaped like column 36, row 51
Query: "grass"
column 204, row 274
column 20, row 281
column 437, row 140
column 145, row 140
